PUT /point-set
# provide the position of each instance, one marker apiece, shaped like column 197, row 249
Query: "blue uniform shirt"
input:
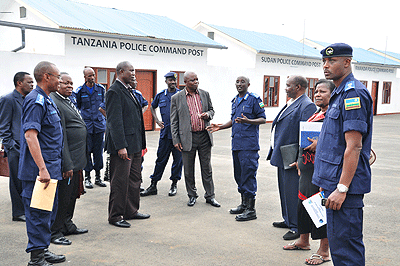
column 163, row 100
column 89, row 103
column 143, row 102
column 40, row 113
column 246, row 136
column 350, row 108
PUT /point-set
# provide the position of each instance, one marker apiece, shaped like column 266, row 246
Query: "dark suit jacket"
column 181, row 127
column 75, row 134
column 287, row 126
column 125, row 127
column 10, row 120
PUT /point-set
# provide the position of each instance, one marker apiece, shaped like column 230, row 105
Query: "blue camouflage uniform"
column 89, row 103
column 245, row 143
column 40, row 113
column 165, row 145
column 350, row 108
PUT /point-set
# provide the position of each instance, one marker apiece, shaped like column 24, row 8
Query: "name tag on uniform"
column 352, row 103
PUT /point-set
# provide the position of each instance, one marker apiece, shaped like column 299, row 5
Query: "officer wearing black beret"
column 342, row 157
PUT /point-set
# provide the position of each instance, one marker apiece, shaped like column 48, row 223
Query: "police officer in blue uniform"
column 41, row 147
column 247, row 114
column 138, row 94
column 89, row 100
column 165, row 146
column 342, row 157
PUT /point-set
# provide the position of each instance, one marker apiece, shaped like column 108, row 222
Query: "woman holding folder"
column 305, row 166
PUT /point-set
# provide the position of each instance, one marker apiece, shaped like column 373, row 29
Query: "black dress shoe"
column 20, row 218
column 88, row 184
column 53, row 258
column 78, row 231
column 280, row 225
column 291, row 235
column 213, row 202
column 99, row 183
column 192, row 201
column 121, row 223
column 139, row 215
column 61, row 241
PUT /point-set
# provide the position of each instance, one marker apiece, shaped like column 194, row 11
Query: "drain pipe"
column 23, row 41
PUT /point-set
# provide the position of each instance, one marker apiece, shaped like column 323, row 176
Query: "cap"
column 337, row 49
column 171, row 75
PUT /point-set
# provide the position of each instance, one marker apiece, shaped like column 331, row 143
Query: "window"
column 105, row 76
column 180, row 84
column 310, row 91
column 364, row 82
column 22, row 12
column 210, row 35
column 386, row 92
column 271, row 91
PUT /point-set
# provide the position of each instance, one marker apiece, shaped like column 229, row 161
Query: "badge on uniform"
column 40, row 99
column 352, row 103
column 261, row 104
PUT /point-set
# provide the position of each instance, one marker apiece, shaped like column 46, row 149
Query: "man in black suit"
column 10, row 127
column 74, row 160
column 125, row 140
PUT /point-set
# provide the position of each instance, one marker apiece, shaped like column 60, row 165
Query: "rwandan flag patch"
column 352, row 103
column 261, row 104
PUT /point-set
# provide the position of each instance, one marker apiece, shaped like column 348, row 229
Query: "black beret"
column 337, row 49
column 170, row 75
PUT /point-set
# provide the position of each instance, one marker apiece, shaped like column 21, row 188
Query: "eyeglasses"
column 58, row 77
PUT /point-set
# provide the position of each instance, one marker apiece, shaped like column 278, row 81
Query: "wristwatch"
column 342, row 188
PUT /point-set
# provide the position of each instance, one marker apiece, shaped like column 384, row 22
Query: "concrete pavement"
column 203, row 235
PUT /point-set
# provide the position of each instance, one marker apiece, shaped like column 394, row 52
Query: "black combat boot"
column 151, row 190
column 249, row 213
column 98, row 181
column 88, row 183
column 173, row 189
column 37, row 258
column 239, row 209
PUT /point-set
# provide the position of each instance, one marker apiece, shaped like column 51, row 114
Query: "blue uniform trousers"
column 245, row 165
column 38, row 222
column 345, row 232
column 288, row 184
column 15, row 184
column 165, row 148
column 95, row 144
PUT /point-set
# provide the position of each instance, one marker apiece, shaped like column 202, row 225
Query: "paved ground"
column 203, row 235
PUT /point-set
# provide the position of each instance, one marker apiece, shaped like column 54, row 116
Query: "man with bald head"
column 125, row 140
column 89, row 98
column 191, row 112
column 285, row 131
column 41, row 156
column 247, row 114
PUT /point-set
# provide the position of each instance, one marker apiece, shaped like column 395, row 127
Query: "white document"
column 316, row 211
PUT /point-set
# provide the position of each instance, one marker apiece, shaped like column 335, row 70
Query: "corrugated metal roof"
column 364, row 56
column 81, row 16
column 392, row 54
column 264, row 42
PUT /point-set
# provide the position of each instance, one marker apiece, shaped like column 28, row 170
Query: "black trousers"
column 15, row 184
column 67, row 194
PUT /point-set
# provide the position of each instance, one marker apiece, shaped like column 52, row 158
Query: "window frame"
column 266, row 91
column 386, row 92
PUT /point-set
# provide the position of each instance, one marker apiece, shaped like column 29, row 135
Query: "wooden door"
column 146, row 80
column 374, row 95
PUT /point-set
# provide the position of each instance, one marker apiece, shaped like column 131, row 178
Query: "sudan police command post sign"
column 290, row 61
column 147, row 48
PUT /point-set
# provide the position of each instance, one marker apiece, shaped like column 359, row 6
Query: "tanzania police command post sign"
column 135, row 46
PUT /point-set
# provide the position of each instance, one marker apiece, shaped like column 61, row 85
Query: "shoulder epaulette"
column 40, row 99
column 350, row 85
